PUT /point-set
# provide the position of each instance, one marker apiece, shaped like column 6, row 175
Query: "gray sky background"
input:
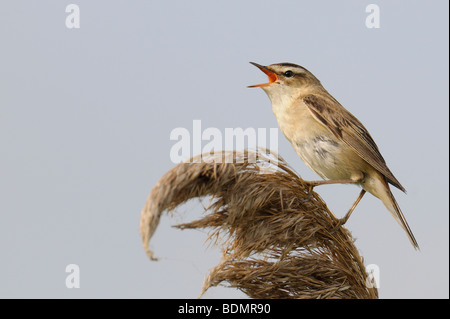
column 86, row 116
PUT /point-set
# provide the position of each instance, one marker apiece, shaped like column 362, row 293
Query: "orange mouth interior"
column 272, row 78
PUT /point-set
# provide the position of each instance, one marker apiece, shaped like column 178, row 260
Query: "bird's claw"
column 338, row 226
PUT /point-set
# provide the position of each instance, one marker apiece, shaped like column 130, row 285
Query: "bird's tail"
column 392, row 205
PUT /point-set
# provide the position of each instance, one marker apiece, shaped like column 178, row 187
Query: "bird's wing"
column 349, row 129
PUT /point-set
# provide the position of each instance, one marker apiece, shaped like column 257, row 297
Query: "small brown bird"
column 328, row 138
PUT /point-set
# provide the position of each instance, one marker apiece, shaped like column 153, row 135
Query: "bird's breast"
column 317, row 146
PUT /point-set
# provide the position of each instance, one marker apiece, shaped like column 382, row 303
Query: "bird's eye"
column 288, row 73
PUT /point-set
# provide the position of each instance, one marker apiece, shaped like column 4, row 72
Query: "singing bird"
column 328, row 138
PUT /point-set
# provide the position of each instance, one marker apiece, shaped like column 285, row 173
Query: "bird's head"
column 285, row 79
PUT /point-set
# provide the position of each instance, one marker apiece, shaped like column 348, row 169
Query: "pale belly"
column 330, row 158
column 325, row 154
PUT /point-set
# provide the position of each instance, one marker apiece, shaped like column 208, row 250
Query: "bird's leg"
column 312, row 184
column 343, row 220
column 334, row 181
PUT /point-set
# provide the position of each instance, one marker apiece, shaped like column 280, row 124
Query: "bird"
column 328, row 138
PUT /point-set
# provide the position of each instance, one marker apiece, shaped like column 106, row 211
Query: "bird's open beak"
column 272, row 76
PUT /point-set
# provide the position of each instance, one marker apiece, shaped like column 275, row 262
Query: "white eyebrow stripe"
column 291, row 66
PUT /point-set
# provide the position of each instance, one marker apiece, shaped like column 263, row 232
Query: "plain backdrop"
column 86, row 117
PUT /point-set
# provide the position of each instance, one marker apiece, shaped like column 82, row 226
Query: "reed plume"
column 277, row 234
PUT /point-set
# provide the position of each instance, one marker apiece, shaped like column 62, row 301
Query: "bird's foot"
column 309, row 194
column 341, row 222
